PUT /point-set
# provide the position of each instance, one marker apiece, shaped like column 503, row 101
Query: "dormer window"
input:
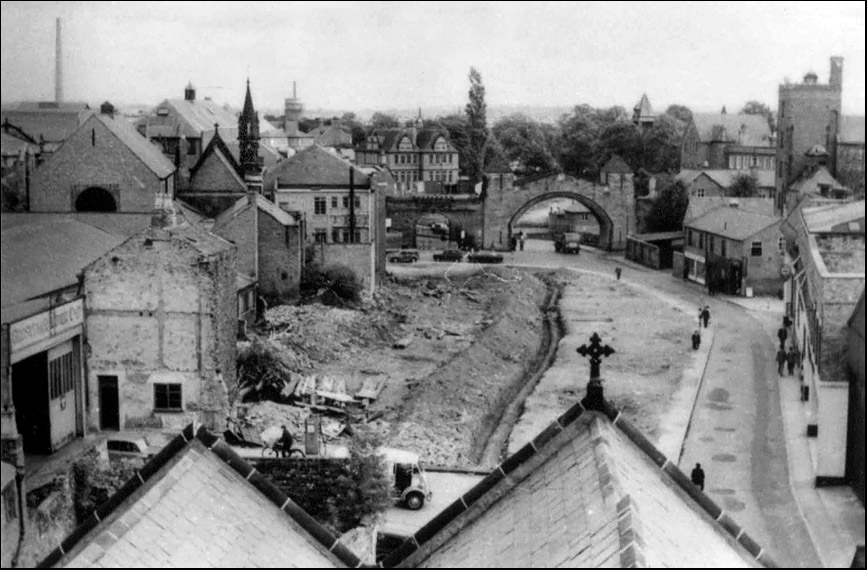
column 162, row 111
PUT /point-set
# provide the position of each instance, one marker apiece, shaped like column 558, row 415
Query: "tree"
column 384, row 121
column 522, row 139
column 669, row 207
column 661, row 146
column 623, row 139
column 745, row 185
column 577, row 141
column 477, row 126
column 759, row 108
column 680, row 112
column 456, row 127
column 365, row 488
column 351, row 122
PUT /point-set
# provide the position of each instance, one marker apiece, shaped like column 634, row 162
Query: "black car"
column 449, row 255
column 484, row 257
column 403, row 256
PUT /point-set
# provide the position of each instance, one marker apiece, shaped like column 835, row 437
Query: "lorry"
column 567, row 242
column 410, row 485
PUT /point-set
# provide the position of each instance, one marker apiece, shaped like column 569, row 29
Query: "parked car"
column 449, row 255
column 568, row 243
column 484, row 257
column 128, row 447
column 403, row 256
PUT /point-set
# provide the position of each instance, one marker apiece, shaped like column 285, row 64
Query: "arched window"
column 95, row 199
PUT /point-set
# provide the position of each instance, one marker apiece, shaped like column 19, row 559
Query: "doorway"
column 109, row 403
column 30, row 394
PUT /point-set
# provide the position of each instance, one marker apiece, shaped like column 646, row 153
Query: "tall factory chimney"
column 58, row 68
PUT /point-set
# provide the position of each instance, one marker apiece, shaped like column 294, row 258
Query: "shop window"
column 756, row 249
column 168, row 397
column 61, row 376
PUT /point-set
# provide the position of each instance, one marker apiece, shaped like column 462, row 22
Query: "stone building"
column 333, row 135
column 216, row 180
column 417, row 157
column 733, row 251
column 183, row 127
column 269, row 245
column 718, row 141
column 826, row 250
column 808, row 115
column 104, row 166
column 857, row 388
column 161, row 323
column 48, row 123
column 850, row 154
column 708, row 183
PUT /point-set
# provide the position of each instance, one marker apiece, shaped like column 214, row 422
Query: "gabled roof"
column 701, row 206
column 38, row 258
column 616, row 165
column 197, row 504
column 725, row 178
column 54, row 122
column 264, row 205
column 745, row 130
column 12, row 145
column 218, row 149
column 851, row 129
column 732, row 223
column 146, row 151
column 811, row 182
column 191, row 119
column 824, row 219
column 315, row 166
column 427, row 137
column 588, row 491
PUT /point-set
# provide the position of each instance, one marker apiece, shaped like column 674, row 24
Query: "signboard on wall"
column 45, row 325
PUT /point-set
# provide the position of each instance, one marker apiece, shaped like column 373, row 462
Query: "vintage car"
column 568, row 243
column 484, row 257
column 449, row 255
column 402, row 256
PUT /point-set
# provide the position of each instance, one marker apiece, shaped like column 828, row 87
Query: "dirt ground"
column 470, row 341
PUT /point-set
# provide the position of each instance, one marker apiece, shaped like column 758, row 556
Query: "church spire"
column 248, row 136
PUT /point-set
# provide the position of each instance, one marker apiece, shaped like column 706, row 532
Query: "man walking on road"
column 617, row 272
column 696, row 340
column 782, row 334
column 792, row 360
column 697, row 476
column 781, row 361
column 705, row 315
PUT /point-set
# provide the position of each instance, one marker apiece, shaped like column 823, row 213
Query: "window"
column 168, row 397
column 346, row 201
column 756, row 249
column 191, row 147
column 61, row 375
column 357, row 201
column 700, row 240
column 319, row 205
column 689, row 237
column 334, row 201
column 699, row 192
column 781, row 245
column 722, row 247
column 320, row 236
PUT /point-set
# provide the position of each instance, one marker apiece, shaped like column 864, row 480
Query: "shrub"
column 333, row 284
column 365, row 487
column 94, row 483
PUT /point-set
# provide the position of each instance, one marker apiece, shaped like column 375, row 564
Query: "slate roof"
column 11, row 145
column 38, row 258
column 269, row 156
column 588, row 491
column 426, row 138
column 190, row 119
column 118, row 224
column 197, row 504
column 701, row 206
column 146, row 151
column 725, row 178
column 822, row 219
column 732, row 223
column 643, row 111
column 54, row 122
column 810, row 182
column 728, row 128
column 315, row 166
column 851, row 129
column 265, row 205
column 217, row 146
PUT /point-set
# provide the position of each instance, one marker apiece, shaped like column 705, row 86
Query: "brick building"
column 414, row 155
column 708, row 183
column 269, row 245
column 826, row 249
column 161, row 323
column 718, row 141
column 216, row 180
column 104, row 166
column 183, row 127
column 732, row 250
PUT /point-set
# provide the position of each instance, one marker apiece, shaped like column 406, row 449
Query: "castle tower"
column 248, row 136
column 808, row 115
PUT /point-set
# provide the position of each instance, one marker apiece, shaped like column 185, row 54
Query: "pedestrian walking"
column 697, row 476
column 705, row 315
column 700, row 311
column 783, row 334
column 792, row 360
column 617, row 272
column 522, row 238
column 781, row 361
column 696, row 339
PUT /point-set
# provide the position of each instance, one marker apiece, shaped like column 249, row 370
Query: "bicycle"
column 277, row 450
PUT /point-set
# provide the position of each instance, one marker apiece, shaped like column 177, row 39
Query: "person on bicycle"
column 284, row 444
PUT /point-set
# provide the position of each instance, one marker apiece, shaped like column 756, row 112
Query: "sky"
column 377, row 55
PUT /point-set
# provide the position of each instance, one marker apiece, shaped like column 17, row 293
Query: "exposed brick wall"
column 163, row 313
column 356, row 256
column 104, row 164
column 241, row 230
column 279, row 258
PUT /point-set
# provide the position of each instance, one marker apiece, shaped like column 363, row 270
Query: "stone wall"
column 94, row 156
column 279, row 258
column 355, row 256
column 762, row 273
column 241, row 230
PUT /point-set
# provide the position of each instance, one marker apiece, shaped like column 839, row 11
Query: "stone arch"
column 95, row 199
column 606, row 224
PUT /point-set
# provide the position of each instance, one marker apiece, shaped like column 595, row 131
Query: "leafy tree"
column 477, row 126
column 661, row 145
column 365, row 488
column 384, row 121
column 680, row 112
column 577, row 141
column 621, row 138
column 524, row 140
column 351, row 122
column 745, row 185
column 669, row 207
column 759, row 108
column 457, row 128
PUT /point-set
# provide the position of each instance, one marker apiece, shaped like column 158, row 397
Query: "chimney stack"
column 58, row 67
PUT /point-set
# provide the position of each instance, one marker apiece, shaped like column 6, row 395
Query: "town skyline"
column 327, row 47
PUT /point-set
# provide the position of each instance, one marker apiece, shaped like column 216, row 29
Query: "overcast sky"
column 401, row 55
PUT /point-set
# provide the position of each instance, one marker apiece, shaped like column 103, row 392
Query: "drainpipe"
column 351, row 205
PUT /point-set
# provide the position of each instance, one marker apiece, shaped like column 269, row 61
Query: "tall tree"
column 577, row 141
column 668, row 209
column 745, row 185
column 661, row 145
column 477, row 126
column 680, row 112
column 384, row 121
column 759, row 108
column 524, row 140
column 456, row 127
